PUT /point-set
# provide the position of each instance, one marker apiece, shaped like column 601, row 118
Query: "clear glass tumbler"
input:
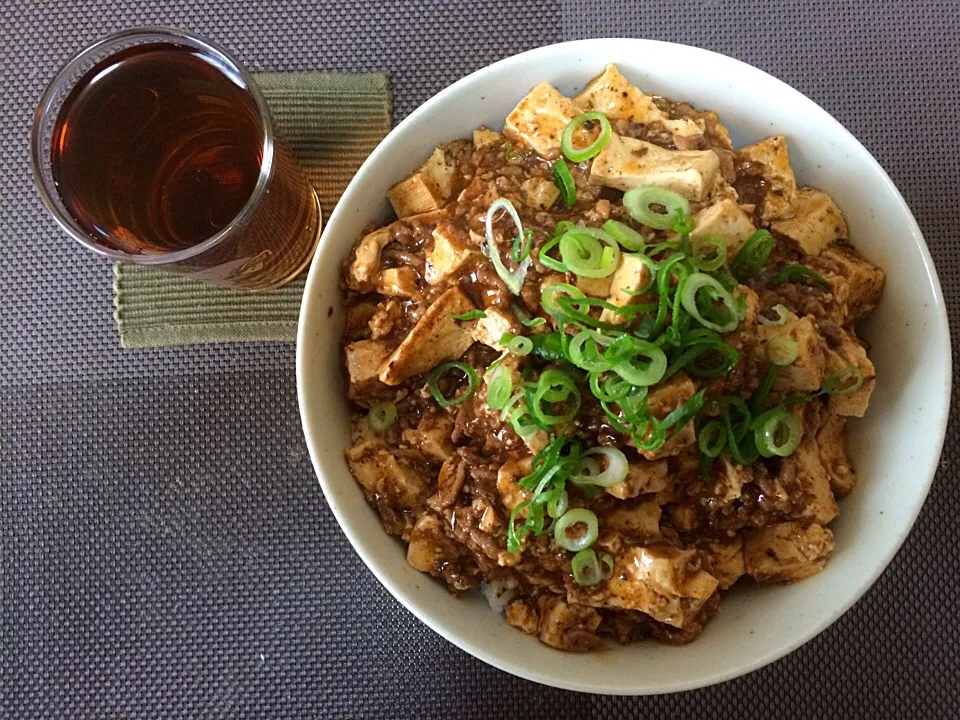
column 155, row 147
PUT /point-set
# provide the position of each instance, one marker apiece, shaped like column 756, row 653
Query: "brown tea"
column 159, row 147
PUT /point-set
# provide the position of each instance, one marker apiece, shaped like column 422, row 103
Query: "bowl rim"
column 408, row 599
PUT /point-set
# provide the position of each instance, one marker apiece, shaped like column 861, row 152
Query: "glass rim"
column 63, row 79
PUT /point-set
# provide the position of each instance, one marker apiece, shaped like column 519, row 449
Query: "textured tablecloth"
column 166, row 549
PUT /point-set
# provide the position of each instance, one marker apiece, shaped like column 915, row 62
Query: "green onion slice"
column 512, row 279
column 782, row 351
column 753, row 255
column 586, row 569
column 546, row 260
column 558, row 506
column 381, row 416
column 709, row 252
column 434, row 377
column 781, row 312
column 549, row 346
column 714, row 291
column 583, row 253
column 612, row 389
column 614, row 473
column 521, row 246
column 520, row 345
column 499, row 388
column 568, row 521
column 675, row 421
column 550, row 295
column 584, row 351
column 712, row 439
column 625, row 235
column 578, row 155
column 844, row 381
column 555, row 386
column 469, row 315
column 645, row 367
column 795, row 273
column 683, row 224
column 777, row 433
column 534, row 322
column 564, row 182
column 637, row 202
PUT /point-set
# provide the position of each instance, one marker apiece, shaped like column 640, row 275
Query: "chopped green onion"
column 587, row 356
column 558, row 506
column 613, row 389
column 753, row 255
column 586, row 569
column 433, row 380
column 607, row 564
column 555, row 386
column 782, row 350
column 549, row 346
column 674, row 422
column 795, row 273
column 534, row 322
column 499, row 388
column 567, row 521
column 381, row 416
column 838, row 383
column 712, row 439
column 714, row 291
column 782, row 314
column 625, row 235
column 578, row 155
column 709, row 252
column 583, row 254
column 777, row 433
column 697, row 344
column 513, row 280
column 551, row 293
column 547, row 261
column 522, row 245
column 637, row 202
column 759, row 402
column 508, row 152
column 519, row 345
column 683, row 223
column 562, row 228
column 645, row 367
column 614, row 473
column 564, row 182
column 469, row 315
column 655, row 250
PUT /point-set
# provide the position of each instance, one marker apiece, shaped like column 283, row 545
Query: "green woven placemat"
column 331, row 122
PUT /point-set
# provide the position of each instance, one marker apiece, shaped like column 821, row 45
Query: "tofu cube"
column 429, row 548
column 539, row 119
column 815, row 221
column 832, row 442
column 772, row 154
column 864, row 281
column 594, row 287
column 399, row 282
column 851, row 353
column 435, row 338
column 805, row 468
column 451, row 250
column 380, row 472
column 787, row 552
column 432, row 437
column 663, row 582
column 724, row 559
column 363, row 360
column 643, row 477
column 490, row 329
column 628, row 163
column 539, row 193
column 636, row 519
column 613, row 95
column 567, row 626
column 522, row 615
column 727, row 220
column 427, row 189
column 729, row 479
column 508, row 476
column 661, row 402
column 363, row 270
column 805, row 374
column 484, row 137
column 630, row 276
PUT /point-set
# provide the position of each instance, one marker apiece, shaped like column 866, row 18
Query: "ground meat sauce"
column 444, row 480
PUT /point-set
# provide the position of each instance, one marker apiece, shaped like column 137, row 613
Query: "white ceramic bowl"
column 895, row 448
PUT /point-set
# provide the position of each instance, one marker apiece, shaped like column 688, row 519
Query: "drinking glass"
column 155, row 147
